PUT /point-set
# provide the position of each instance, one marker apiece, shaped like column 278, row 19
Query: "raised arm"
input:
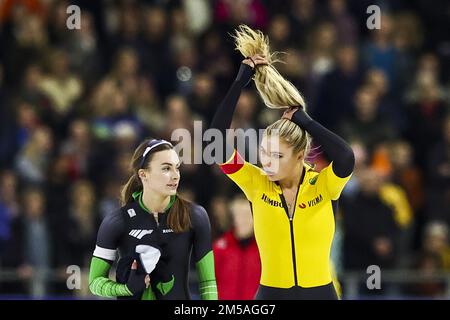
column 338, row 151
column 224, row 114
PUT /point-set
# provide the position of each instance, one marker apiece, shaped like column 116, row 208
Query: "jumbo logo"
column 272, row 202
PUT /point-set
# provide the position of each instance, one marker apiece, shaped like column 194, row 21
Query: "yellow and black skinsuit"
column 295, row 251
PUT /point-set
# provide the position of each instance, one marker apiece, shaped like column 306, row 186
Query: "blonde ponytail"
column 274, row 89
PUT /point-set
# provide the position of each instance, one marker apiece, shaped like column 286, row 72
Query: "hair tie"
column 254, row 64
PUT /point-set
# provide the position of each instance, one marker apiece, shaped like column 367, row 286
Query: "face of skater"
column 161, row 176
column 279, row 160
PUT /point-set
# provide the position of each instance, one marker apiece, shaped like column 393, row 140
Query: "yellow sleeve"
column 331, row 182
column 246, row 175
column 395, row 197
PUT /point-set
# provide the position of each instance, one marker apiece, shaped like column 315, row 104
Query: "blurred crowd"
column 75, row 103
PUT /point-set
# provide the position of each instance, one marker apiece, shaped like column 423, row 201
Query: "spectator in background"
column 433, row 258
column 61, row 86
column 36, row 240
column 147, row 107
column 234, row 12
column 156, row 53
column 406, row 174
column 244, row 118
column 304, row 16
column 362, row 159
column 125, row 67
column 321, row 57
column 121, row 165
column 77, row 149
column 295, row 69
column 280, row 32
column 426, row 109
column 116, row 115
column 371, row 232
column 198, row 15
column 31, row 93
column 238, row 266
column 178, row 115
column 80, row 231
column 100, row 105
column 395, row 197
column 428, row 264
column 438, row 171
column 390, row 193
column 216, row 60
column 82, row 223
column 202, row 98
column 9, row 207
column 337, row 89
column 367, row 125
column 27, row 121
column 407, row 37
column 380, row 52
column 390, row 108
column 19, row 119
column 185, row 61
column 58, row 187
column 344, row 22
column 436, row 241
column 6, row 131
column 109, row 200
column 58, row 31
column 12, row 258
column 178, row 25
column 33, row 160
column 221, row 217
column 82, row 48
column 24, row 37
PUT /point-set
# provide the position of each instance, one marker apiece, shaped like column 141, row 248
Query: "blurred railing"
column 392, row 284
column 396, row 281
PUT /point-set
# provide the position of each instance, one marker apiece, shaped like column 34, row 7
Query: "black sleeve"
column 224, row 114
column 337, row 150
column 202, row 232
column 109, row 235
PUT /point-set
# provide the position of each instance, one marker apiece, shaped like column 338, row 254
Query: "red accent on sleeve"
column 234, row 165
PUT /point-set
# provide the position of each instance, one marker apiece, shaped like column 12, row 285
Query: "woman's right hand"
column 245, row 73
column 137, row 282
column 255, row 60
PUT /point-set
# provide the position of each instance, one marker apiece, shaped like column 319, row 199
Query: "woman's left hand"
column 289, row 113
